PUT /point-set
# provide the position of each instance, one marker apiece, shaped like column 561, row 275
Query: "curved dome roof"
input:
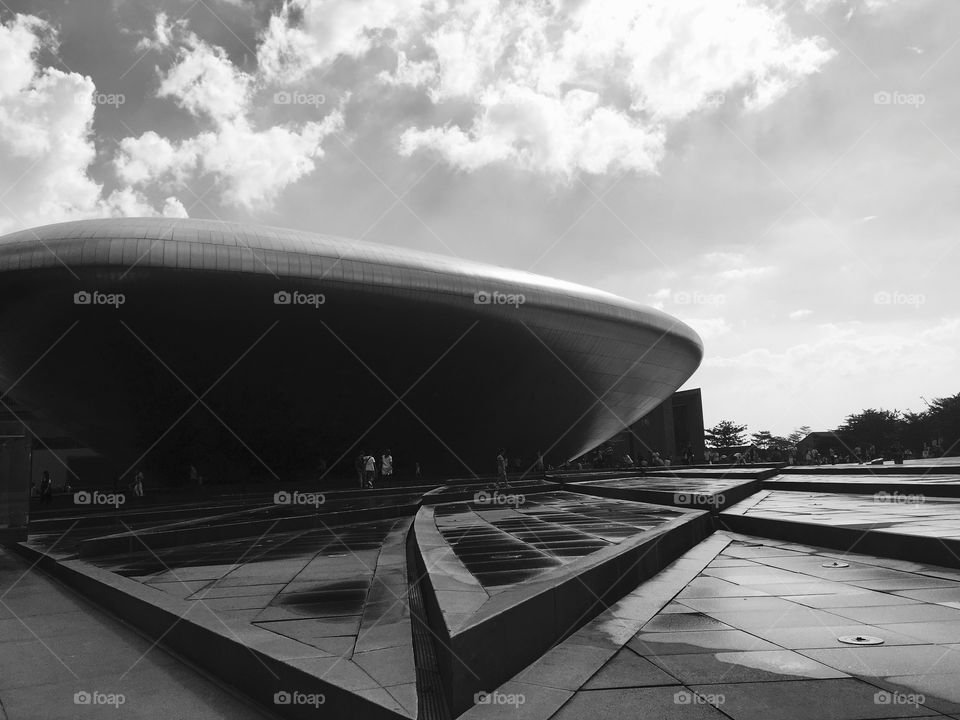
column 215, row 246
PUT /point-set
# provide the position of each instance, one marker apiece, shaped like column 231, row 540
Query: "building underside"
column 187, row 353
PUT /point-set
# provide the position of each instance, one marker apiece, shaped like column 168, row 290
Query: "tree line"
column 936, row 428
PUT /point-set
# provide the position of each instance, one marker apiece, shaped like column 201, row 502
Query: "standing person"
column 359, row 464
column 370, row 469
column 386, row 465
column 502, row 469
column 538, row 465
column 138, row 483
column 46, row 487
column 417, row 472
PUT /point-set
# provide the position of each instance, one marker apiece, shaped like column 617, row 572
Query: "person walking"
column 386, row 465
column 138, row 483
column 359, row 464
column 369, row 469
column 502, row 469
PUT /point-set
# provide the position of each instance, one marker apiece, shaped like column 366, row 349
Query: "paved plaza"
column 745, row 592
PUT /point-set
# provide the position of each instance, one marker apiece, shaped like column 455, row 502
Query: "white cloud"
column 46, row 137
column 552, row 87
column 163, row 31
column 205, row 82
column 252, row 166
column 595, row 86
column 326, row 29
column 801, row 313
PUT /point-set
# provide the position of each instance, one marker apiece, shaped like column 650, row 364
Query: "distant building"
column 821, row 441
column 668, row 429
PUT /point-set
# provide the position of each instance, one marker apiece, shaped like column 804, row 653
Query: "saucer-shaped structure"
column 245, row 350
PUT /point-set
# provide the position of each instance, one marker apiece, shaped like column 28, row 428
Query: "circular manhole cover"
column 860, row 640
column 835, row 564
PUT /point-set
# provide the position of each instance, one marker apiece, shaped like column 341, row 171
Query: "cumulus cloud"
column 309, row 34
column 552, row 87
column 46, row 138
column 252, row 166
column 204, row 82
column 592, row 86
column 163, row 31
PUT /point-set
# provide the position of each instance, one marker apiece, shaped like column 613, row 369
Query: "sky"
column 782, row 176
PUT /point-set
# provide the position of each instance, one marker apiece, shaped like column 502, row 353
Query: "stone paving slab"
column 321, row 611
column 477, row 621
column 713, row 653
column 560, row 673
column 711, row 492
column 907, row 527
column 888, row 484
column 71, row 647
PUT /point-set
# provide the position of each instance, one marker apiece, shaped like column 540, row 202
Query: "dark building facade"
column 259, row 352
column 672, row 428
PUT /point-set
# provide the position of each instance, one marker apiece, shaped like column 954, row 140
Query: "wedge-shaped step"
column 512, row 576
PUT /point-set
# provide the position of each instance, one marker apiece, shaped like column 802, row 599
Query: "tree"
column 762, row 439
column 799, row 434
column 725, row 434
column 881, row 428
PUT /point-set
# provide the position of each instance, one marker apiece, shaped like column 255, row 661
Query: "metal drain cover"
column 835, row 564
column 860, row 640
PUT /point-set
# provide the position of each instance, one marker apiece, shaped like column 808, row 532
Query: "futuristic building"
column 261, row 352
